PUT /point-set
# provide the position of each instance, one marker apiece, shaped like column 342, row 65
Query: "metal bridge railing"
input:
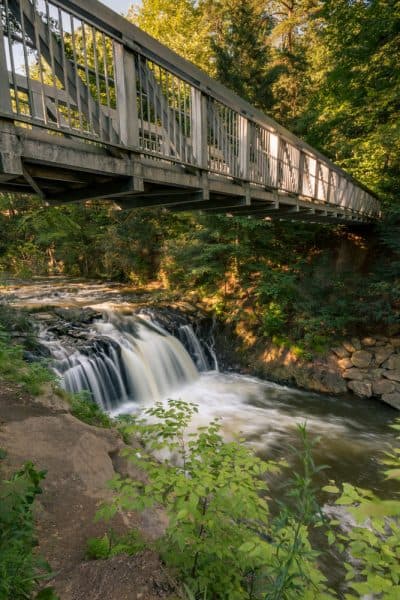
column 71, row 72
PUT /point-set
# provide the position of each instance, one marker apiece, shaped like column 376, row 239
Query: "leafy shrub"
column 111, row 545
column 14, row 368
column 274, row 319
column 86, row 410
column 220, row 536
column 21, row 570
column 373, row 542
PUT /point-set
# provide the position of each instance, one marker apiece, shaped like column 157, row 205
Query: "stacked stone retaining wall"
column 371, row 367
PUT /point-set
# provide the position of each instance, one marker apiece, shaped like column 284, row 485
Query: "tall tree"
column 177, row 25
column 239, row 31
column 355, row 112
column 294, row 39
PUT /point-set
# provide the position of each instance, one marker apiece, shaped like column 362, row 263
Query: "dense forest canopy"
column 326, row 69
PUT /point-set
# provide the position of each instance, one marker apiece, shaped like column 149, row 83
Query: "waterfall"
column 192, row 343
column 126, row 359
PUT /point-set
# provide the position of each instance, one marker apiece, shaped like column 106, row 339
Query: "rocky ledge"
column 371, row 367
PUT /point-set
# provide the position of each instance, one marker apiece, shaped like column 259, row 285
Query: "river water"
column 127, row 361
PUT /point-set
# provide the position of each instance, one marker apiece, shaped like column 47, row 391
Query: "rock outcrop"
column 80, row 460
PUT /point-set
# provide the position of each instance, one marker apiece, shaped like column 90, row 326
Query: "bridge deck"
column 92, row 107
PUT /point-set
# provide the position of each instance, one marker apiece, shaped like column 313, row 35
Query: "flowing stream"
column 127, row 360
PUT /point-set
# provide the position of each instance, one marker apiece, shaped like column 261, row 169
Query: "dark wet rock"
column 81, row 316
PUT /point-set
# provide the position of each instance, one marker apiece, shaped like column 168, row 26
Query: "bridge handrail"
column 138, row 40
column 239, row 131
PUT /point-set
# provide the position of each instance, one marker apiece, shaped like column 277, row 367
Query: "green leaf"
column 331, row 489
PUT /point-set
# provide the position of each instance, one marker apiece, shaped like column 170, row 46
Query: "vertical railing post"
column 301, row 173
column 273, row 168
column 126, row 90
column 316, row 182
column 5, row 99
column 199, row 128
column 244, row 147
column 329, row 190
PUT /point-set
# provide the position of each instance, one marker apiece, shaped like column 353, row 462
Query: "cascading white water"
column 128, row 359
column 192, row 341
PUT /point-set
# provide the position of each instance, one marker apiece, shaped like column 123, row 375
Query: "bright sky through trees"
column 120, row 6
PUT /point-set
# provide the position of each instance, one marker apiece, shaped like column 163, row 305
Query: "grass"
column 13, row 367
column 86, row 410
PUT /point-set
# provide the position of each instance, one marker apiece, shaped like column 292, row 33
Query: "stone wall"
column 371, row 367
column 367, row 367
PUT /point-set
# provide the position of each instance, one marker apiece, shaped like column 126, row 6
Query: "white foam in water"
column 129, row 363
column 242, row 405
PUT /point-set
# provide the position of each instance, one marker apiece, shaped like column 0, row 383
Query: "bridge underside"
column 63, row 171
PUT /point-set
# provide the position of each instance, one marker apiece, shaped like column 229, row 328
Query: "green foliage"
column 352, row 112
column 373, row 543
column 22, row 571
column 239, row 29
column 293, row 563
column 14, row 368
column 274, row 319
column 111, row 545
column 220, row 536
column 86, row 410
column 179, row 25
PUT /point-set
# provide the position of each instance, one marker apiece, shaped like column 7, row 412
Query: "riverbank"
column 80, row 460
column 367, row 366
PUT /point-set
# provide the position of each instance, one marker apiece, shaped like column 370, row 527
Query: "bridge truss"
column 92, row 107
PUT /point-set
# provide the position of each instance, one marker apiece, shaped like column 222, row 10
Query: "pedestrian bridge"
column 91, row 107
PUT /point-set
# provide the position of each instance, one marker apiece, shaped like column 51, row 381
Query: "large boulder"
column 383, row 386
column 350, row 347
column 356, row 374
column 344, row 363
column 392, row 399
column 383, row 354
column 361, row 359
column 392, row 375
column 368, row 342
column 393, row 363
column 341, row 352
column 363, row 389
